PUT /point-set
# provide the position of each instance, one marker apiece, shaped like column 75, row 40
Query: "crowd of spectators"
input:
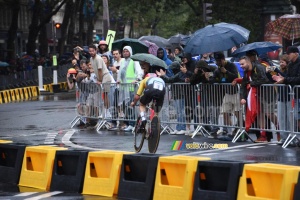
column 182, row 67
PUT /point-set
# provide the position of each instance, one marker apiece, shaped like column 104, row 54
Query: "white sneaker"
column 128, row 128
column 182, row 132
column 173, row 132
column 189, row 132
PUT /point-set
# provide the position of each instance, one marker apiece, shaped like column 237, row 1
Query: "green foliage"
column 174, row 17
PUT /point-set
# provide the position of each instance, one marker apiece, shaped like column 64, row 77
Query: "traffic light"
column 57, row 30
column 207, row 12
column 57, row 25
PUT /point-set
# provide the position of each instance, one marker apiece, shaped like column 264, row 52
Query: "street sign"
column 54, row 61
column 110, row 38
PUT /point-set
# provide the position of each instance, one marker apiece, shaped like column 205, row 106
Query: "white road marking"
column 24, row 194
column 257, row 147
column 66, row 140
column 209, row 154
column 50, row 138
column 232, row 150
column 49, row 194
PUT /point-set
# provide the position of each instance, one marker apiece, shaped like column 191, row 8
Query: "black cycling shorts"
column 153, row 94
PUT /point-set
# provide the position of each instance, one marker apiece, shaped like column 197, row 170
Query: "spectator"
column 130, row 72
column 177, row 54
column 225, row 73
column 102, row 74
column 186, row 58
column 118, row 60
column 162, row 54
column 103, row 49
column 182, row 97
column 292, row 78
column 253, row 78
column 283, row 104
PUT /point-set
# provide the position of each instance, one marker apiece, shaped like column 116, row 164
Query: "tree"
column 41, row 14
column 12, row 32
column 66, row 25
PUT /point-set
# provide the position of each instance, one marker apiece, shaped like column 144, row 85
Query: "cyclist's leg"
column 159, row 101
column 144, row 100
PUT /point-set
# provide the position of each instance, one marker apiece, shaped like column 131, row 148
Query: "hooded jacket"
column 167, row 61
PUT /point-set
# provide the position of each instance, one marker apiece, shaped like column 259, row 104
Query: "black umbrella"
column 136, row 45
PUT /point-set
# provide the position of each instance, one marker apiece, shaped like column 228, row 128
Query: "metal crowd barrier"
column 293, row 104
column 202, row 106
column 31, row 75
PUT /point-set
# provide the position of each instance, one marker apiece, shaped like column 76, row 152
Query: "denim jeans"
column 284, row 117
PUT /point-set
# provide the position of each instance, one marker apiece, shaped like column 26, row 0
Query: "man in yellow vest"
column 130, row 73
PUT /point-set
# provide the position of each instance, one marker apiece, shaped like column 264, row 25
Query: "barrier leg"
column 289, row 139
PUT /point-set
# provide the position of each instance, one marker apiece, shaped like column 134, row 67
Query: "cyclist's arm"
column 139, row 92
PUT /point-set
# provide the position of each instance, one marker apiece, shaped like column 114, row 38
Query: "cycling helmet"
column 150, row 75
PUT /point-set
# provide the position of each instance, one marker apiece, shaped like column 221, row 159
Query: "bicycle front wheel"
column 154, row 136
column 138, row 135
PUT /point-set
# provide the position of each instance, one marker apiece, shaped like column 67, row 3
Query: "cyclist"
column 153, row 88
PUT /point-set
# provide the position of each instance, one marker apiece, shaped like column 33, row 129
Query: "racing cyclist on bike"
column 153, row 88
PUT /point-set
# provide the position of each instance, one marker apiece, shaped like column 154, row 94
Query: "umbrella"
column 176, row 39
column 136, row 45
column 149, row 58
column 185, row 40
column 152, row 47
column 159, row 41
column 288, row 26
column 27, row 57
column 259, row 47
column 3, row 64
column 217, row 37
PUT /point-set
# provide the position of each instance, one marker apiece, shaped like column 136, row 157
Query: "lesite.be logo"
column 183, row 145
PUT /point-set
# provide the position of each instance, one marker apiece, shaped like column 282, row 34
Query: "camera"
column 71, row 78
column 88, row 72
column 76, row 49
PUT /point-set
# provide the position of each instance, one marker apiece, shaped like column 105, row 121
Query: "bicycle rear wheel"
column 154, row 136
column 138, row 135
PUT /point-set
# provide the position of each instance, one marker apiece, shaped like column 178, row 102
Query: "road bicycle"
column 150, row 131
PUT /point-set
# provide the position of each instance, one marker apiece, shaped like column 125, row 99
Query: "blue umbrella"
column 259, row 47
column 216, row 37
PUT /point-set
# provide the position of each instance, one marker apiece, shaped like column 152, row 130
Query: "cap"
column 292, row 49
column 102, row 42
column 72, row 71
column 219, row 55
column 251, row 53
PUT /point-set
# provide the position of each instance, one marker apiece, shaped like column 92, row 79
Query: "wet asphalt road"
column 46, row 121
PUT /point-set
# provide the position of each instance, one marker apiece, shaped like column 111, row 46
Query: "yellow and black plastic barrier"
column 102, row 173
column 25, row 93
column 143, row 176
